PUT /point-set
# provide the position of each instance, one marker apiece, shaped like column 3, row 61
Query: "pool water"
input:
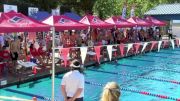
column 145, row 65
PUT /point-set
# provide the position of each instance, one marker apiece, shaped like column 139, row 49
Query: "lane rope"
column 151, row 68
column 152, row 61
column 138, row 91
column 168, row 53
column 161, row 56
column 29, row 94
column 136, row 76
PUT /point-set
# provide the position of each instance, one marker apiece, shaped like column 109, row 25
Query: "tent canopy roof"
column 155, row 21
column 95, row 22
column 119, row 22
column 139, row 22
column 17, row 22
column 64, row 23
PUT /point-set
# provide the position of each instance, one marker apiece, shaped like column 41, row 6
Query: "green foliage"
column 106, row 8
column 102, row 8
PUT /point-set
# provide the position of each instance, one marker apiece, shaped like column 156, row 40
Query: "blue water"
column 141, row 65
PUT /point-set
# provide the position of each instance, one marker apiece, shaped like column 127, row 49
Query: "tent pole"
column 53, row 62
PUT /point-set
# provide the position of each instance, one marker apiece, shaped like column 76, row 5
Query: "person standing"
column 72, row 85
column 15, row 50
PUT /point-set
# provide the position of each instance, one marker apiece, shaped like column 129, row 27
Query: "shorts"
column 14, row 56
column 77, row 99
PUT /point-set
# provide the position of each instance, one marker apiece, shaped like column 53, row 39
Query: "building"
column 170, row 13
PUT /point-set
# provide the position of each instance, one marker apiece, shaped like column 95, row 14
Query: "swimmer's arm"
column 78, row 92
column 64, row 92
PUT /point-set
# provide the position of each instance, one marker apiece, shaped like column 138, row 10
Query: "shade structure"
column 138, row 22
column 72, row 15
column 95, row 22
column 155, row 22
column 119, row 22
column 17, row 22
column 64, row 23
column 40, row 15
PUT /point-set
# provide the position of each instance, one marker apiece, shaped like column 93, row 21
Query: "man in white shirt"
column 72, row 85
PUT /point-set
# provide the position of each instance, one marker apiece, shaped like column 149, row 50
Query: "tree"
column 80, row 6
column 106, row 8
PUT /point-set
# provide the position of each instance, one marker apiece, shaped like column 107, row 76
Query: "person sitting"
column 35, row 54
column 41, row 51
column 5, row 54
column 111, row 92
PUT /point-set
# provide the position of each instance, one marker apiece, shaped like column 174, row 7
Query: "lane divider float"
column 143, row 77
column 152, row 61
column 138, row 91
column 151, row 68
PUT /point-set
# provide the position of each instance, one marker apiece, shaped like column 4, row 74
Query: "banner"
column 121, row 48
column 159, row 45
column 32, row 10
column 129, row 47
column 109, row 49
column 8, row 8
column 165, row 43
column 64, row 54
column 124, row 12
column 97, row 50
column 172, row 42
column 132, row 11
column 153, row 43
column 137, row 46
column 144, row 46
column 55, row 11
column 83, row 53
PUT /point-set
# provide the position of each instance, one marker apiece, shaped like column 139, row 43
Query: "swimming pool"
column 146, row 77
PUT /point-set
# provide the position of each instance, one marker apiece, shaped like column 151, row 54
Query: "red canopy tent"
column 119, row 22
column 95, row 22
column 17, row 22
column 155, row 22
column 138, row 22
column 64, row 23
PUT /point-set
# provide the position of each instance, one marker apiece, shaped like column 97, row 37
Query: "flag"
column 109, row 49
column 159, row 45
column 129, row 47
column 152, row 45
column 121, row 48
column 98, row 50
column 144, row 46
column 64, row 54
column 137, row 46
column 172, row 42
column 132, row 11
column 124, row 12
column 83, row 53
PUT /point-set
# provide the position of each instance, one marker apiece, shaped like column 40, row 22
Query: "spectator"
column 111, row 92
column 72, row 85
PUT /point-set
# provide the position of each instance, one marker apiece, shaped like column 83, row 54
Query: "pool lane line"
column 138, row 91
column 168, row 53
column 150, row 68
column 136, row 76
column 28, row 94
column 151, row 61
column 160, row 56
column 133, row 91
